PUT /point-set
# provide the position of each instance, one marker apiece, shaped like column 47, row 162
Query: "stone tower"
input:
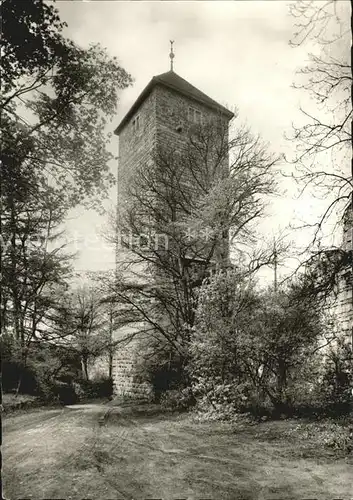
column 344, row 302
column 158, row 120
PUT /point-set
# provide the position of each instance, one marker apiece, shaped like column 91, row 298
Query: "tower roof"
column 175, row 82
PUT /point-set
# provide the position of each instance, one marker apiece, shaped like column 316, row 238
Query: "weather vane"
column 171, row 55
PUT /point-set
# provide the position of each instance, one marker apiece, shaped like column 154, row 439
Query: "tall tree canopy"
column 56, row 100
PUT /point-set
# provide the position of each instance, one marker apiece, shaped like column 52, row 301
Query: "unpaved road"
column 37, row 444
column 66, row 453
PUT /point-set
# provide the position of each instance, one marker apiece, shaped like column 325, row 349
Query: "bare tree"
column 179, row 216
column 324, row 138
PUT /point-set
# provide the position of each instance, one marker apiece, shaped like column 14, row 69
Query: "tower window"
column 195, row 116
column 136, row 123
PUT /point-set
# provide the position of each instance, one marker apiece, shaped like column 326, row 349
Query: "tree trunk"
column 281, row 402
column 18, row 385
column 23, row 366
column 110, row 352
column 84, row 365
column 110, row 363
column 14, row 287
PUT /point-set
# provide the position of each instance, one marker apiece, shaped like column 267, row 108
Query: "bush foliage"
column 50, row 372
column 261, row 351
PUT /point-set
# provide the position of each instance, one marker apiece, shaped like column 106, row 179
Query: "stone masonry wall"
column 172, row 112
column 171, row 116
column 135, row 147
column 126, row 384
column 343, row 306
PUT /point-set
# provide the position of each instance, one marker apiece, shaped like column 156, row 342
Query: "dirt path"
column 36, row 444
column 72, row 453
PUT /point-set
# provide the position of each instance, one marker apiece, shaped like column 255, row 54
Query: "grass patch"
column 307, row 438
column 11, row 402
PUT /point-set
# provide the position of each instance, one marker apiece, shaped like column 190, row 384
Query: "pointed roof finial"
column 171, row 55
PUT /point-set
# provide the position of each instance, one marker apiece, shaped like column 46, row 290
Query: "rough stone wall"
column 174, row 130
column 343, row 306
column 135, row 147
column 126, row 382
column 160, row 115
column 172, row 112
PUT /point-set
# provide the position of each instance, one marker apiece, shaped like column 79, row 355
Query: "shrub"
column 177, row 399
column 250, row 348
column 338, row 438
column 64, row 392
column 335, row 389
column 12, row 403
column 223, row 401
column 161, row 367
column 98, row 388
column 47, row 371
column 14, row 370
column 335, row 434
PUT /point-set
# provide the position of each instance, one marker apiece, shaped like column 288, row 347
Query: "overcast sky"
column 236, row 52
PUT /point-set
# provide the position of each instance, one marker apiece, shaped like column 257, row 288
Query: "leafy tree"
column 56, row 100
column 80, row 325
column 31, row 34
column 337, row 379
column 33, row 267
column 248, row 347
column 295, row 328
column 219, row 348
